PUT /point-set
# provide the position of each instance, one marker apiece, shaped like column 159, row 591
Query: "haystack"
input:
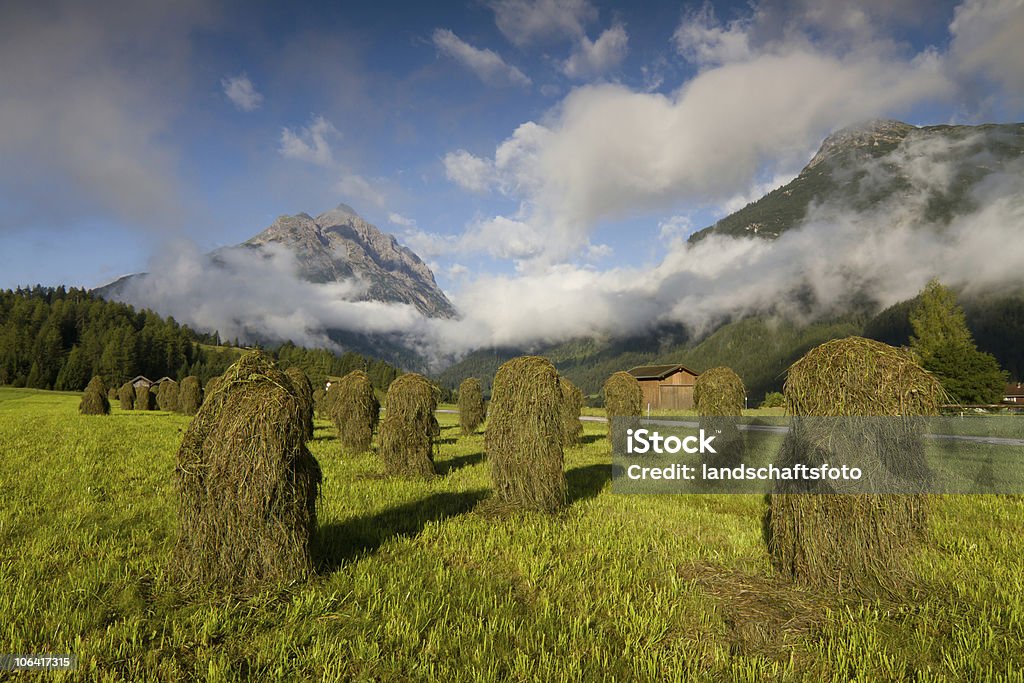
column 167, row 395
column 94, row 400
column 355, row 411
column 126, row 395
column 318, row 403
column 409, row 427
column 190, row 395
column 572, row 406
column 247, row 484
column 471, row 405
column 524, row 436
column 144, row 399
column 623, row 401
column 211, row 387
column 824, row 538
column 304, row 388
column 719, row 397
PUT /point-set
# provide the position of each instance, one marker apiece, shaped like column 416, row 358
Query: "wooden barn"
column 140, row 381
column 668, row 387
column 1014, row 393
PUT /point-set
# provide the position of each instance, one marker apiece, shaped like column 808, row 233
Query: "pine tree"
column 946, row 348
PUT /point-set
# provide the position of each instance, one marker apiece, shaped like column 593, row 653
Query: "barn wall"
column 676, row 396
column 652, row 395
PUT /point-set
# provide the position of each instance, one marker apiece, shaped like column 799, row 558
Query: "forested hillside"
column 58, row 338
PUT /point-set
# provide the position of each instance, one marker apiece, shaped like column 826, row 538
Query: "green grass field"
column 416, row 583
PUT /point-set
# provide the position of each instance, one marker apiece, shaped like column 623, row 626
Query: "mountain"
column 875, row 167
column 863, row 166
column 338, row 245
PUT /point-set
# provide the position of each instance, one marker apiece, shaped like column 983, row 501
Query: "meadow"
column 418, row 581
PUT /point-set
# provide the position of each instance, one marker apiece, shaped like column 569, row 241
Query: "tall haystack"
column 190, row 395
column 719, row 397
column 409, row 427
column 319, row 397
column 623, row 401
column 167, row 395
column 572, row 406
column 126, row 395
column 247, row 484
column 471, row 405
column 355, row 411
column 94, row 400
column 824, row 538
column 212, row 385
column 524, row 436
column 305, row 392
column 144, row 399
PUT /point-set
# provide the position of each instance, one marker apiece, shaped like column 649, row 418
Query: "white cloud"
column 486, row 64
column 988, row 40
column 355, row 187
column 399, row 219
column 310, row 143
column 527, row 21
column 703, row 40
column 468, row 171
column 242, row 93
column 595, row 58
column 607, row 151
column 89, row 96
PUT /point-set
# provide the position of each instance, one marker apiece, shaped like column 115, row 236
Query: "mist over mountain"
column 876, row 213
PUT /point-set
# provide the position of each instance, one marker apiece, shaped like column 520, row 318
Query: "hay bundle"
column 247, row 484
column 824, row 538
column 94, row 400
column 524, row 436
column 471, row 405
column 719, row 392
column 126, row 395
column 190, row 395
column 718, row 396
column 144, row 399
column 112, row 394
column 167, row 395
column 409, row 427
column 572, row 406
column 304, row 389
column 623, row 401
column 355, row 411
column 319, row 397
column 211, row 387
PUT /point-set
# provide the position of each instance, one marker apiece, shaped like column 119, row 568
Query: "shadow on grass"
column 592, row 438
column 586, row 482
column 340, row 543
column 446, row 467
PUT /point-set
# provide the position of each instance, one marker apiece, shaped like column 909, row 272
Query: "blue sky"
column 495, row 137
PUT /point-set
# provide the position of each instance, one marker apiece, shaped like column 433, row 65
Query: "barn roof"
column 659, row 372
column 135, row 379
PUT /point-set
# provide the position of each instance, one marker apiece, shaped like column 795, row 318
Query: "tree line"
column 59, row 338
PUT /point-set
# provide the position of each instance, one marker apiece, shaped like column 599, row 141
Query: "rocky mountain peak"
column 862, row 138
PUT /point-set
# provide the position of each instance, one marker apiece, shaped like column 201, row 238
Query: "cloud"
column 486, row 64
column 987, row 42
column 527, row 21
column 310, row 143
column 595, row 58
column 399, row 219
column 355, row 187
column 703, row 40
column 838, row 256
column 468, row 171
column 607, row 151
column 240, row 90
column 90, row 95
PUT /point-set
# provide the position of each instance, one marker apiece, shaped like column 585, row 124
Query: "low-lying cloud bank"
column 838, row 254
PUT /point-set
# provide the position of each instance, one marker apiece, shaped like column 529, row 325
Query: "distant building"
column 1014, row 393
column 161, row 381
column 140, row 381
column 668, row 387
